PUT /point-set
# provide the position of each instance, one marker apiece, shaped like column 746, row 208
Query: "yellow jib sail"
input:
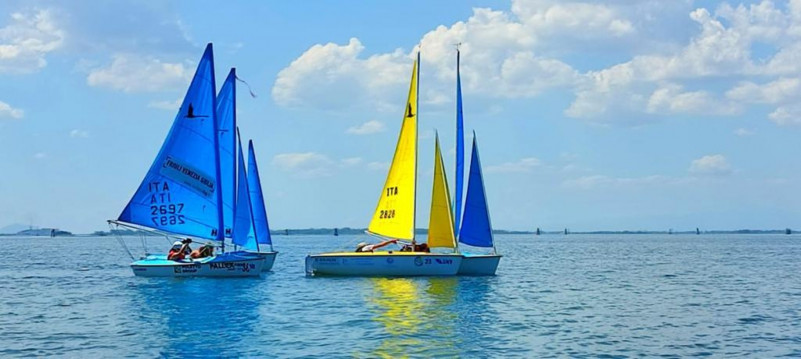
column 394, row 214
column 440, row 223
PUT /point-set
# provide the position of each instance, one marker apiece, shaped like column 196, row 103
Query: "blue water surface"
column 554, row 296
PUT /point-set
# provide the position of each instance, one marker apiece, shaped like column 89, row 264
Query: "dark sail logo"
column 190, row 113
column 409, row 110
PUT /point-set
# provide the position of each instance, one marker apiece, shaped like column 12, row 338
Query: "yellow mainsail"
column 394, row 214
column 440, row 222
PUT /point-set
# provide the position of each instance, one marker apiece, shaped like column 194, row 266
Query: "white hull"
column 479, row 264
column 383, row 264
column 269, row 258
column 225, row 265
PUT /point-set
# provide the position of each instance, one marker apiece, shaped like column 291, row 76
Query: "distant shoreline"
column 357, row 231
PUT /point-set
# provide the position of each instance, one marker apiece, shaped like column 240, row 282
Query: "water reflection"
column 416, row 316
column 192, row 317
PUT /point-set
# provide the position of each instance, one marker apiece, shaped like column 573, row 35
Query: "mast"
column 220, row 224
column 457, row 208
column 416, row 138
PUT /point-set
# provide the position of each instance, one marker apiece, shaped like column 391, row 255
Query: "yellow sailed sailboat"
column 394, row 216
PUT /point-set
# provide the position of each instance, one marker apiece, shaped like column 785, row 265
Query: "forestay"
column 180, row 193
column 394, row 214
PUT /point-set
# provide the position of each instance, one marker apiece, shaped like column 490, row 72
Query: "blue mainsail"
column 180, row 193
column 476, row 227
column 226, row 120
column 261, row 227
column 457, row 208
column 243, row 216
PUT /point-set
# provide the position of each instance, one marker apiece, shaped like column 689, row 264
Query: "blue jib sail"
column 226, row 123
column 457, row 208
column 476, row 228
column 180, row 193
column 243, row 215
column 260, row 225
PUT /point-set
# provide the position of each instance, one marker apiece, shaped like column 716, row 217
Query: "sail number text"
column 162, row 211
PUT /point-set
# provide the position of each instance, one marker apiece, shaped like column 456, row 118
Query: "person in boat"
column 365, row 247
column 414, row 247
column 206, row 251
column 179, row 250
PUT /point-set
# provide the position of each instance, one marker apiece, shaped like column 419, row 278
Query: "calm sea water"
column 554, row 296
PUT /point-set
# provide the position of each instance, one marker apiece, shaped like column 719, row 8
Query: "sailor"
column 206, row 251
column 365, row 247
column 179, row 250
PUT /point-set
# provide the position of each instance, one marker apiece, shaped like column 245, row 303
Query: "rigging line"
column 252, row 94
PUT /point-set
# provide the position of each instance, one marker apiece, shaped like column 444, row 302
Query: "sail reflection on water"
column 415, row 316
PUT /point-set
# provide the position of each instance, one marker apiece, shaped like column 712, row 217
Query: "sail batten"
column 261, row 227
column 476, row 225
column 394, row 216
column 181, row 191
column 440, row 223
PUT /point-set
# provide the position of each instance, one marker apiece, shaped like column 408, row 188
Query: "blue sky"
column 591, row 115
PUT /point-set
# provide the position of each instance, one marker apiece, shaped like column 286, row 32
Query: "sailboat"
column 244, row 215
column 394, row 217
column 181, row 195
column 475, row 228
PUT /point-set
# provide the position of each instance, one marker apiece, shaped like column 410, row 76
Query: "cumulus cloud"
column 523, row 165
column 135, row 73
column 367, row 128
column 527, row 51
column 789, row 115
column 711, row 165
column 743, row 132
column 351, row 161
column 27, row 39
column 6, row 111
column 305, row 164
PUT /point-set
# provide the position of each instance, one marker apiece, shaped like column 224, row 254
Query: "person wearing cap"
column 179, row 250
column 365, row 247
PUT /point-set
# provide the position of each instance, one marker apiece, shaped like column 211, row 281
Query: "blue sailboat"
column 251, row 229
column 182, row 193
column 475, row 228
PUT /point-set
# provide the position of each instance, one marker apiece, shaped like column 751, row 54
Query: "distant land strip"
column 46, row 232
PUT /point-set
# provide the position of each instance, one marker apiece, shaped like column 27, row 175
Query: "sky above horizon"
column 591, row 115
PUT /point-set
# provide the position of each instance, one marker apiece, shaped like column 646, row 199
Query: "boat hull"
column 383, row 264
column 269, row 258
column 225, row 265
column 479, row 264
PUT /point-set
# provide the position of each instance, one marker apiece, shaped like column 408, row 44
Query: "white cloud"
column 789, row 115
column 378, row 166
column 6, row 111
column 598, row 181
column 135, row 73
column 306, row 164
column 79, row 133
column 40, row 156
column 27, row 39
column 711, row 165
column 521, row 166
column 350, row 162
column 671, row 99
column 367, row 128
column 744, row 132
column 778, row 91
column 166, row 105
